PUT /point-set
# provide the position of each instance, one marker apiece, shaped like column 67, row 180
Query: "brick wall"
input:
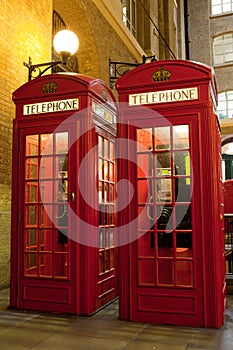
column 25, row 31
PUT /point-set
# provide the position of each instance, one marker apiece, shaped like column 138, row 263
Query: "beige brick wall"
column 25, row 31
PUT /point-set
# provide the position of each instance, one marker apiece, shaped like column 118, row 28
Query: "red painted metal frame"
column 208, row 236
column 80, row 294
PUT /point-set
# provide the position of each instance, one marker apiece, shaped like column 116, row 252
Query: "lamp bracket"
column 117, row 69
column 35, row 71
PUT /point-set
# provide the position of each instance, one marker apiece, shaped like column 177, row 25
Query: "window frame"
column 226, row 101
column 221, row 49
column 221, row 5
column 129, row 15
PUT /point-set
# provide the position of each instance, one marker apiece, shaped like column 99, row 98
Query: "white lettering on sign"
column 51, row 106
column 165, row 96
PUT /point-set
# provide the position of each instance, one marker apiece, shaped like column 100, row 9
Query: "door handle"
column 72, row 196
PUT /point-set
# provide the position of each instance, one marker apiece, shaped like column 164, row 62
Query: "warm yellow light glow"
column 66, row 41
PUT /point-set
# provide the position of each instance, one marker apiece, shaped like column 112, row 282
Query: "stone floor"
column 103, row 331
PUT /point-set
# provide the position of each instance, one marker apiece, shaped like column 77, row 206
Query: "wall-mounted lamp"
column 65, row 43
column 117, row 69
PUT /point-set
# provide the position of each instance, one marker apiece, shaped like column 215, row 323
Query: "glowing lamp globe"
column 66, row 43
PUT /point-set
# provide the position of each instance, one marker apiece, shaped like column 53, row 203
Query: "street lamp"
column 65, row 43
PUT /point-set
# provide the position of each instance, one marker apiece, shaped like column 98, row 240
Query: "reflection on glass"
column 46, row 143
column 162, row 138
column 31, row 215
column 163, row 164
column 164, row 221
column 31, row 192
column 45, row 265
column 181, row 136
column 182, row 163
column 31, row 168
column 143, row 191
column 145, row 164
column 183, row 190
column 61, row 141
column 46, row 240
column 164, row 190
column 46, row 167
column 111, row 156
column 32, row 142
column 101, row 146
column 144, row 221
column 144, row 139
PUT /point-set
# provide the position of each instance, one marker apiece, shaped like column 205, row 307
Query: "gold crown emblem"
column 161, row 75
column 49, row 87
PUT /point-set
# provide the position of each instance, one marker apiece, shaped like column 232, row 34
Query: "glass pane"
column 164, row 221
column 31, row 215
column 46, row 215
column 144, row 220
column 144, row 139
column 111, row 192
column 32, row 144
column 165, row 272
column 162, row 138
column 111, row 172
column 61, row 140
column 101, row 261
column 101, row 146
column 101, row 163
column 45, row 265
column 181, row 136
column 184, row 273
column 145, row 245
column 46, row 144
column 31, row 260
column 101, row 238
column 46, row 240
column 46, row 191
column 163, row 164
column 182, row 163
column 31, row 265
column 61, row 215
column 46, row 167
column 31, row 168
column 111, row 151
column 61, row 241
column 183, row 217
column 145, row 164
column 106, row 151
column 164, row 190
column 143, row 191
column 106, row 173
column 165, row 244
column 107, row 260
column 31, row 195
column 183, row 190
column 146, row 272
column 31, row 243
column 184, row 244
column 111, row 258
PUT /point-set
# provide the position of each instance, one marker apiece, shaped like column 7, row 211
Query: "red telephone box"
column 63, row 224
column 228, row 196
column 174, row 272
